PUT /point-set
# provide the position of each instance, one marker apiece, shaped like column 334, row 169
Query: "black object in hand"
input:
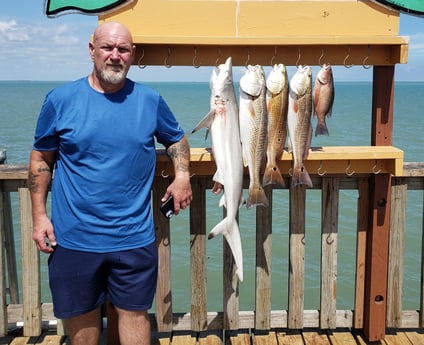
column 167, row 208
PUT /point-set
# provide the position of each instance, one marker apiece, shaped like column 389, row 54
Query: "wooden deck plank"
column 210, row 339
column 183, row 339
column 342, row 337
column 290, row 337
column 235, row 338
column 267, row 338
column 415, row 336
column 315, row 338
column 397, row 338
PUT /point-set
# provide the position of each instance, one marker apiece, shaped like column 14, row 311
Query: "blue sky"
column 34, row 47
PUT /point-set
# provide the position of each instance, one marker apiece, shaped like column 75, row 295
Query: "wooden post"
column 396, row 252
column 198, row 255
column 3, row 308
column 379, row 212
column 361, row 245
column 377, row 258
column 297, row 257
column 31, row 280
column 330, row 213
column 263, row 263
column 231, row 289
column 163, row 241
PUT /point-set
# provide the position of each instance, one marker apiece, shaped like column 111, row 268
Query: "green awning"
column 415, row 7
column 95, row 7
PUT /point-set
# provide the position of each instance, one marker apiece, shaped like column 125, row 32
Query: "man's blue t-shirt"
column 106, row 158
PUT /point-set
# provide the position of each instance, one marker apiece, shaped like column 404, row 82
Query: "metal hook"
column 345, row 59
column 274, row 56
column 195, row 65
column 218, row 58
column 366, row 58
column 319, row 172
column 298, row 57
column 290, row 172
column 374, row 168
column 141, row 58
column 168, row 65
column 348, row 168
column 162, row 173
column 248, row 57
column 329, row 240
column 320, row 58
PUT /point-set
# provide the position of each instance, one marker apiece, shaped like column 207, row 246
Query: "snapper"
column 323, row 95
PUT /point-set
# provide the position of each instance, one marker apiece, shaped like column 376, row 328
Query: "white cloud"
column 51, row 50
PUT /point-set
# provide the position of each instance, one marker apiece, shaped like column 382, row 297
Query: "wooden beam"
column 377, row 258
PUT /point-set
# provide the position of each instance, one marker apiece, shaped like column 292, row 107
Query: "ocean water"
column 350, row 125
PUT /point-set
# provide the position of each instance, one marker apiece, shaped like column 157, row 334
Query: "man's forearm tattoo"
column 32, row 178
column 180, row 155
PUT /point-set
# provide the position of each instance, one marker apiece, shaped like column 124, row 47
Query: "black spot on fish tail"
column 321, row 129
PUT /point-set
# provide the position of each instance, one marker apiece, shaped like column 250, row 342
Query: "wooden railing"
column 362, row 168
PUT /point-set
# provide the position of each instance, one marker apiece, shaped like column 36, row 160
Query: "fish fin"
column 206, row 122
column 301, row 176
column 321, row 129
column 228, row 227
column 273, row 175
column 257, row 197
column 222, row 201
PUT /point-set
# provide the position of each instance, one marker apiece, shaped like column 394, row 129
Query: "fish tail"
column 228, row 227
column 257, row 197
column 273, row 175
column 321, row 129
column 301, row 176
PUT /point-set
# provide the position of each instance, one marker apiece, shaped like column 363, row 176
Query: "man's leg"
column 84, row 329
column 134, row 327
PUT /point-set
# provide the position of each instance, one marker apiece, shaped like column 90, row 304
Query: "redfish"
column 299, row 123
column 253, row 119
column 277, row 95
column 323, row 95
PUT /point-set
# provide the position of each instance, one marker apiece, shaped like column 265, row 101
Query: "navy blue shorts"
column 82, row 281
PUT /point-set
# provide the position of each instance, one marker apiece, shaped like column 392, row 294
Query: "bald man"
column 97, row 135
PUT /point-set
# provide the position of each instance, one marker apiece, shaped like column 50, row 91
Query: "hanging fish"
column 222, row 122
column 299, row 123
column 323, row 95
column 277, row 95
column 253, row 119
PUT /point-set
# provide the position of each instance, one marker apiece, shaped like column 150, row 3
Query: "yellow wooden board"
column 200, row 32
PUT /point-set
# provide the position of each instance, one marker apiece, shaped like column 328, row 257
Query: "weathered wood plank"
column 3, row 309
column 289, row 337
column 341, row 337
column 238, row 337
column 197, row 255
column 231, row 289
column 183, row 339
column 315, row 337
column 296, row 257
column 31, row 280
column 163, row 291
column 396, row 253
column 329, row 219
column 397, row 338
column 9, row 241
column 264, row 338
column 361, row 241
column 263, row 263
